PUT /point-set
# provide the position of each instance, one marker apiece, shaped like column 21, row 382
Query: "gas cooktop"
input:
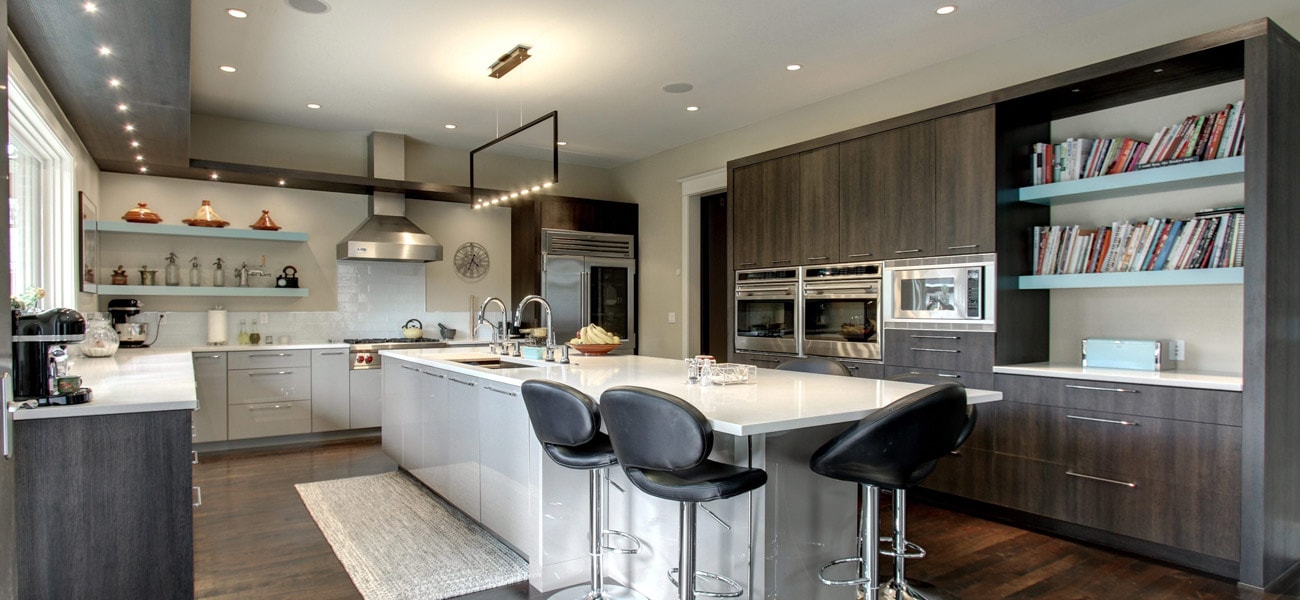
column 360, row 341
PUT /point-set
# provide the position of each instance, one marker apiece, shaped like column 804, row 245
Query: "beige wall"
column 652, row 182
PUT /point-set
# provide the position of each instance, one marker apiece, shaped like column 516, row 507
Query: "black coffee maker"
column 40, row 345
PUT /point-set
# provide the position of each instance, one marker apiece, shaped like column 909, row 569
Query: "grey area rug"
column 397, row 540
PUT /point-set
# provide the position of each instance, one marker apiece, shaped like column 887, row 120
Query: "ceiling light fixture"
column 281, row 182
column 90, row 7
column 130, row 127
column 135, row 144
column 122, row 108
column 450, row 126
column 114, row 82
column 139, row 157
column 105, row 51
column 237, row 13
column 144, row 169
column 313, row 106
column 793, row 67
column 215, row 176
column 692, row 108
column 509, row 61
column 946, row 10
column 228, row 68
column 561, row 143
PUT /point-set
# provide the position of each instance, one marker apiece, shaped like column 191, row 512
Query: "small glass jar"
column 101, row 340
column 196, row 277
column 244, row 337
column 173, row 272
column 254, row 337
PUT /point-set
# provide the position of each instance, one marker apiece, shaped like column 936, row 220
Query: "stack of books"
column 1213, row 238
column 1198, row 137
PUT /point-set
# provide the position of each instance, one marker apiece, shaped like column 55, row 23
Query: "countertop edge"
column 1183, row 379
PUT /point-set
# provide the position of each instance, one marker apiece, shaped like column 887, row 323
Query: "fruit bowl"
column 594, row 349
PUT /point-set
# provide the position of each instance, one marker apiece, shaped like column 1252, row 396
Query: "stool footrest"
column 736, row 588
column 633, row 542
column 912, row 550
column 821, row 573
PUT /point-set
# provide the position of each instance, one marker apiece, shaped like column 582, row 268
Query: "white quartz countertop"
column 777, row 401
column 261, row 347
column 131, row 381
column 1187, row 379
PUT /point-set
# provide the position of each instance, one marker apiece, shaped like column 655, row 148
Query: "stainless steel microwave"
column 941, row 290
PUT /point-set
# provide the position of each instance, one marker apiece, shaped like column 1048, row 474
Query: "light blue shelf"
column 1162, row 179
column 212, row 232
column 180, row 290
column 1133, row 279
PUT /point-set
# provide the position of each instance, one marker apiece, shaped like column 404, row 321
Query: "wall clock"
column 471, row 260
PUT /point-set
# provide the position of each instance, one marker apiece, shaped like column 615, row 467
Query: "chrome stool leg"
column 687, row 588
column 899, row 588
column 598, row 481
column 868, row 558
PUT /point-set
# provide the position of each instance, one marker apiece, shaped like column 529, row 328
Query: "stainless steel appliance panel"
column 842, row 319
column 590, row 289
column 941, row 290
column 768, row 310
column 563, row 279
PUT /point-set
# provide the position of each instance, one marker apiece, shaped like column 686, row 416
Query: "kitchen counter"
column 132, row 381
column 778, row 401
column 1173, row 378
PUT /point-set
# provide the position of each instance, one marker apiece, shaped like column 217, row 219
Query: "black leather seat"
column 815, row 364
column 663, row 445
column 567, row 424
column 892, row 448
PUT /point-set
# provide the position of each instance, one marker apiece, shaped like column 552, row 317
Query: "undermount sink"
column 490, row 363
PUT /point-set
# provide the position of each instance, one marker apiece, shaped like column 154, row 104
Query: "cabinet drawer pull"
column 194, row 457
column 198, row 493
column 506, row 392
column 948, row 375
column 409, row 368
column 268, row 374
column 936, row 350
column 1128, row 484
column 208, row 356
column 1095, row 419
column 1102, row 389
column 908, row 251
column 936, row 337
column 269, row 355
column 863, row 255
column 339, row 353
column 748, row 264
column 963, row 247
column 851, row 367
column 784, row 260
column 438, row 375
column 469, row 383
column 275, row 407
column 819, row 258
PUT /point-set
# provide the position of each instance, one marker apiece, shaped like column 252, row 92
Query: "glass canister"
column 101, row 340
column 173, row 272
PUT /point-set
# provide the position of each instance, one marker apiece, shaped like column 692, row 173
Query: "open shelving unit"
column 1227, row 276
column 1162, row 179
column 177, row 290
column 186, row 230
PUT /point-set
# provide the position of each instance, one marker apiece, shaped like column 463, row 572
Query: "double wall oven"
column 831, row 310
column 767, row 310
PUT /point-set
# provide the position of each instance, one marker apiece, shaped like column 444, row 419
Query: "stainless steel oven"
column 767, row 310
column 841, row 311
column 941, row 290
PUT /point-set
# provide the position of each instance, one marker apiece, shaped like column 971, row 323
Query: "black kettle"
column 287, row 279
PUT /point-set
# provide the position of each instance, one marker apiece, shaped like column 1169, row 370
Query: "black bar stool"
column 663, row 445
column 815, row 364
column 892, row 448
column 567, row 423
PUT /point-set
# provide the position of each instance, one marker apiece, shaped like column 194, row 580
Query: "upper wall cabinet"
column 860, row 223
column 819, row 206
column 900, row 177
column 965, row 182
column 764, row 200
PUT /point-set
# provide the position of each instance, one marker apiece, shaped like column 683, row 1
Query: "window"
column 42, row 214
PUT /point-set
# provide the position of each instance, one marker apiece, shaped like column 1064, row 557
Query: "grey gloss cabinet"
column 210, row 387
column 330, row 401
column 105, row 506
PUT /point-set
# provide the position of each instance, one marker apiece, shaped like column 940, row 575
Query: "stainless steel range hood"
column 387, row 234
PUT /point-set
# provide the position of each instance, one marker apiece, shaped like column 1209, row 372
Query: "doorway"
column 714, row 274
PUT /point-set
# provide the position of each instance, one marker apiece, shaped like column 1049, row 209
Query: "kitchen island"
column 104, row 506
column 463, row 431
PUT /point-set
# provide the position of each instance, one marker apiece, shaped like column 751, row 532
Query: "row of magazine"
column 1213, row 238
column 1195, row 138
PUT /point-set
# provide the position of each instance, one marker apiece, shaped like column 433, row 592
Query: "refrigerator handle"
column 584, row 285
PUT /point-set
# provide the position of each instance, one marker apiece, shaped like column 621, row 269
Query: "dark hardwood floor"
column 253, row 538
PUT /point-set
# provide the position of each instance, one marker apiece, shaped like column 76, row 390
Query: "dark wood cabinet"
column 105, row 506
column 860, row 224
column 528, row 219
column 764, row 202
column 819, row 206
column 745, row 202
column 965, row 183
column 900, row 177
column 951, row 350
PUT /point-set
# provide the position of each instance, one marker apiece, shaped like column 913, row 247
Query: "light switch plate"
column 672, row 317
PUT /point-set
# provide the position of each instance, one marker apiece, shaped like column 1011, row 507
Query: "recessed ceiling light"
column 678, row 88
column 90, row 7
column 228, row 68
column 114, row 82
column 139, row 157
column 450, row 126
column 1159, row 71
column 144, row 169
column 135, row 144
column 313, row 106
column 105, row 50
column 281, row 181
column 130, row 127
column 237, row 13
column 122, row 107
column 561, row 143
column 215, row 176
column 692, row 108
column 946, row 10
column 793, row 67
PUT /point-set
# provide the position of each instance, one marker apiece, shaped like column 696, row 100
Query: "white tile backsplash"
column 374, row 300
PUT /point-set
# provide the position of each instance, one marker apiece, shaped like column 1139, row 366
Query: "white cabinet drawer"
column 269, row 418
column 269, row 359
column 250, row 386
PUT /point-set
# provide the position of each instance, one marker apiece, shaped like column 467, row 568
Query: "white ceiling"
column 412, row 66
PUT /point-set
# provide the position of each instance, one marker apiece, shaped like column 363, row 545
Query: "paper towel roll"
column 217, row 329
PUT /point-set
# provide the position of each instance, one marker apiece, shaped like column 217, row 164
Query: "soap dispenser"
column 173, row 270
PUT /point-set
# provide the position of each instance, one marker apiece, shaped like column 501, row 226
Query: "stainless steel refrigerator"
column 590, row 278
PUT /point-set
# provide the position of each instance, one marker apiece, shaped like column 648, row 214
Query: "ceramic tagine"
column 206, row 217
column 141, row 214
column 265, row 223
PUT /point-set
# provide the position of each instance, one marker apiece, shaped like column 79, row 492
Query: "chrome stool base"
column 735, row 591
column 912, row 590
column 609, row 592
column 821, row 573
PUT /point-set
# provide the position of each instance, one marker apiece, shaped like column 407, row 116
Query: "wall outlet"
column 1179, row 352
column 672, row 317
column 263, row 318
